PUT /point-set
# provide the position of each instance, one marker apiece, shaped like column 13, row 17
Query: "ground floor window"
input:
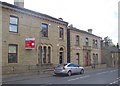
column 44, row 54
column 87, row 58
column 95, row 58
column 49, row 54
column 78, row 58
column 12, row 53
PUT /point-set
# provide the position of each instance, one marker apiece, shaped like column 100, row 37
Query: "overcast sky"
column 99, row 15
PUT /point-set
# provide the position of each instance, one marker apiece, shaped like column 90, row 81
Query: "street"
column 103, row 76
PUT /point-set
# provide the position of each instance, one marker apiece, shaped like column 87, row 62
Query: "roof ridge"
column 35, row 12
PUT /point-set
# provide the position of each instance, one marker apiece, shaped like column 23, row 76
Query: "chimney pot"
column 90, row 31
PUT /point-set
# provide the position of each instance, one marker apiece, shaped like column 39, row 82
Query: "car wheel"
column 69, row 73
column 82, row 71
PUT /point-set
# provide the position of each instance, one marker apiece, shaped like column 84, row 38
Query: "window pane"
column 61, row 33
column 44, row 30
column 12, row 55
column 86, row 39
column 44, row 26
column 13, row 20
column 12, row 49
column 44, row 56
column 12, row 58
column 77, row 40
column 13, row 28
column 49, row 54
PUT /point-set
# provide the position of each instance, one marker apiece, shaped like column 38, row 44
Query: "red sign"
column 30, row 43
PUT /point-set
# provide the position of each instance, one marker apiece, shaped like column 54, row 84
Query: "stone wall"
column 30, row 27
column 80, row 49
column 0, row 45
column 21, row 69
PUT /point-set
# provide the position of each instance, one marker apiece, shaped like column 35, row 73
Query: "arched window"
column 87, row 41
column 40, row 55
column 44, row 54
column 49, row 54
column 61, row 49
column 61, row 33
column 77, row 40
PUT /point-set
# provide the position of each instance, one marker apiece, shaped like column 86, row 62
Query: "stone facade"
column 81, row 52
column 30, row 26
column 109, row 55
column 0, row 45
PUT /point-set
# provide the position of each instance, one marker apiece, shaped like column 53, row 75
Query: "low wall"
column 26, row 69
column 97, row 66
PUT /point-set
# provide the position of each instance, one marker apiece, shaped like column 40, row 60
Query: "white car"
column 68, row 69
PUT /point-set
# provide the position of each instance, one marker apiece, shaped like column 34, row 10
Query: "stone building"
column 84, row 48
column 30, row 39
column 109, row 54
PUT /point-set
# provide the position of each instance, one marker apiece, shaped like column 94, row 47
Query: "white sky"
column 99, row 15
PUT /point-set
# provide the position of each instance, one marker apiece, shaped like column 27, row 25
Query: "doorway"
column 77, row 58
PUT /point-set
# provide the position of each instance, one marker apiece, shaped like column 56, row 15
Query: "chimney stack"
column 90, row 31
column 19, row 3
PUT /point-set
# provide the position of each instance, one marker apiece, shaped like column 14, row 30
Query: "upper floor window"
column 61, row 33
column 77, row 40
column 12, row 53
column 95, row 43
column 87, row 41
column 44, row 30
column 13, row 26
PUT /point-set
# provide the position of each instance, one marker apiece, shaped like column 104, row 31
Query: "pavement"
column 17, row 77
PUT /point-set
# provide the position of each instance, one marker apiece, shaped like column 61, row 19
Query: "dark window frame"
column 96, row 43
column 16, row 54
column 44, row 33
column 87, row 41
column 44, row 55
column 49, row 54
column 77, row 40
column 61, row 33
column 11, row 16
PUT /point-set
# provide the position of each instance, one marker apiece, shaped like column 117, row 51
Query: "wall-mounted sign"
column 30, row 43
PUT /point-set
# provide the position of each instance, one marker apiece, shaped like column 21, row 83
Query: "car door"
column 76, row 67
column 72, row 68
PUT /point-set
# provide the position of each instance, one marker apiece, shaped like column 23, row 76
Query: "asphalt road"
column 104, row 76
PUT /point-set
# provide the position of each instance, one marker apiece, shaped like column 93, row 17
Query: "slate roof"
column 82, row 31
column 34, row 12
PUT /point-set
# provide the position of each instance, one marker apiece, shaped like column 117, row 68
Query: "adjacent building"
column 109, row 54
column 84, row 48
